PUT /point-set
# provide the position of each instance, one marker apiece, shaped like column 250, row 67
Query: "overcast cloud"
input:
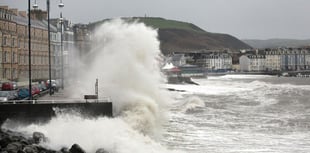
column 251, row 19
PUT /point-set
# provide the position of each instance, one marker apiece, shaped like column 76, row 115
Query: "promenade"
column 59, row 96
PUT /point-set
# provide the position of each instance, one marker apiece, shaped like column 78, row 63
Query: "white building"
column 218, row 61
column 293, row 59
column 251, row 62
column 65, row 57
column 177, row 59
column 273, row 60
column 69, row 53
column 307, row 60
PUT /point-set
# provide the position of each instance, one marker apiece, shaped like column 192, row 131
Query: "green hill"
column 177, row 36
column 161, row 23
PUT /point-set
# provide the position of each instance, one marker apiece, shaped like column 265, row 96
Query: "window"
column 13, row 42
column 4, row 57
column 4, row 41
column 13, row 58
column 19, row 59
column 24, row 58
column 14, row 73
column 4, row 73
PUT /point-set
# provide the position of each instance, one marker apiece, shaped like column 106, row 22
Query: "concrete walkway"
column 57, row 96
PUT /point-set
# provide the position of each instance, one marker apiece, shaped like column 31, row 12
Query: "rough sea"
column 241, row 114
column 225, row 114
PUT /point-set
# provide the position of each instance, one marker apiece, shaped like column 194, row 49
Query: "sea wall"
column 42, row 112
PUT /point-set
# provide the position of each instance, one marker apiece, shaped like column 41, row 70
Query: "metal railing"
column 58, row 101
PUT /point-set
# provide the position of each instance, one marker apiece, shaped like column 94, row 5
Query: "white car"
column 7, row 96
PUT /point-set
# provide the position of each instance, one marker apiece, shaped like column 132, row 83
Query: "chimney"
column 39, row 14
column 23, row 14
column 14, row 11
column 4, row 7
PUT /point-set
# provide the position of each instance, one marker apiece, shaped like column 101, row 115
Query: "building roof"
column 177, row 57
column 19, row 18
column 251, row 56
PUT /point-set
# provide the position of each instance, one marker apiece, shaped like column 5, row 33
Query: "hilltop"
column 177, row 36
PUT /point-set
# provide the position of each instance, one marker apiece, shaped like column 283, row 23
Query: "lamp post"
column 61, row 5
column 49, row 47
column 29, row 49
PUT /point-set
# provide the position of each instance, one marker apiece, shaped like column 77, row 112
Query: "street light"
column 35, row 5
column 61, row 5
column 29, row 48
column 49, row 47
column 49, row 42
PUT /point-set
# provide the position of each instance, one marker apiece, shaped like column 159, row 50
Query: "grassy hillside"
column 177, row 36
column 161, row 23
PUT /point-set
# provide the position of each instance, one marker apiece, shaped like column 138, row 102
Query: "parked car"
column 7, row 96
column 9, row 86
column 35, row 90
column 24, row 93
column 42, row 86
column 54, row 85
column 14, row 85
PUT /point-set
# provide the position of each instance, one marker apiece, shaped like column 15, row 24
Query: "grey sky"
column 252, row 19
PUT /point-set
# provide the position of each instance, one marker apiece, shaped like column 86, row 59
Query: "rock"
column 38, row 137
column 44, row 150
column 5, row 141
column 75, row 148
column 15, row 138
column 101, row 150
column 30, row 149
column 14, row 147
column 25, row 142
column 15, row 142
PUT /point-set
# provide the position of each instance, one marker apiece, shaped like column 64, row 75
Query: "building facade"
column 69, row 52
column 277, row 59
column 215, row 61
column 287, row 59
column 293, row 59
column 9, row 43
column 273, row 60
column 252, row 62
column 14, row 51
column 82, row 38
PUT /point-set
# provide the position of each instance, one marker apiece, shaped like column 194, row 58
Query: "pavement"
column 57, row 96
column 67, row 96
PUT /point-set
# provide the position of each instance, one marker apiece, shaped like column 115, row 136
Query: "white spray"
column 192, row 103
column 125, row 61
column 126, row 64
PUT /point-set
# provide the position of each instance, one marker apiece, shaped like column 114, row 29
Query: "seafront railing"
column 101, row 100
